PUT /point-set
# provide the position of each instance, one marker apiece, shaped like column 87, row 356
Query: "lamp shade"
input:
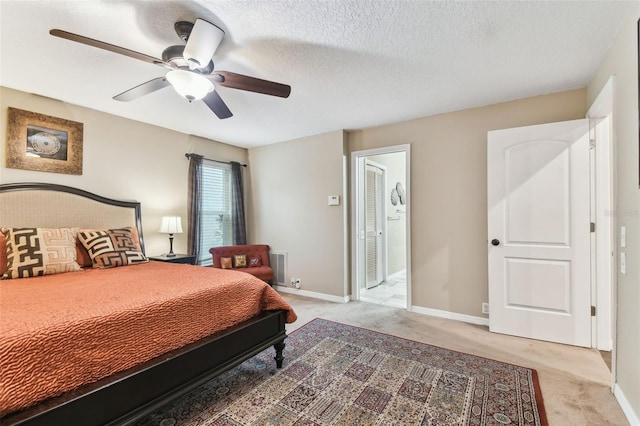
column 190, row 85
column 171, row 225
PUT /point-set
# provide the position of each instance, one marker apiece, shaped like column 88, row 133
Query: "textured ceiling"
column 351, row 64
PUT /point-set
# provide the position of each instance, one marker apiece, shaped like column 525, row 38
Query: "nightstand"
column 178, row 258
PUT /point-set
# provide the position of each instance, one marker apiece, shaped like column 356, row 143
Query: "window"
column 216, row 209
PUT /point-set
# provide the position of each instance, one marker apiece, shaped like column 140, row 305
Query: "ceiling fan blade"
column 202, row 44
column 143, row 89
column 217, row 105
column 106, row 46
column 251, row 84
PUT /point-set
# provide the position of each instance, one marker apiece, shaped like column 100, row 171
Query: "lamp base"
column 171, row 253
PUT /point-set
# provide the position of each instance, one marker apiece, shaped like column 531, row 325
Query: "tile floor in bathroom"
column 392, row 292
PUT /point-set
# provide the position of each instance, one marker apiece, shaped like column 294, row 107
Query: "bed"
column 117, row 342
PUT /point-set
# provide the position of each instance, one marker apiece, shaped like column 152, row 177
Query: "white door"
column 539, row 236
column 374, row 221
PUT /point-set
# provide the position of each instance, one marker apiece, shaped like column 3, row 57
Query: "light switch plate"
column 623, row 236
column 334, row 200
column 623, row 263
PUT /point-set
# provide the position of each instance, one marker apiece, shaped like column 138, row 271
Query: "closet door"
column 374, row 198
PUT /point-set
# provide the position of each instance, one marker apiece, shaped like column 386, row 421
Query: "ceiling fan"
column 191, row 68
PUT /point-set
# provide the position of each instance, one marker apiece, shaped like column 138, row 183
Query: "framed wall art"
column 43, row 143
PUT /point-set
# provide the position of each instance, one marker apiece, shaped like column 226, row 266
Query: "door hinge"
column 593, row 311
column 592, row 143
column 592, row 227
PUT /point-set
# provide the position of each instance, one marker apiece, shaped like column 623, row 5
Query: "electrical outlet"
column 485, row 308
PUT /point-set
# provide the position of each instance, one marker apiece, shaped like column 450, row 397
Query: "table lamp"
column 171, row 225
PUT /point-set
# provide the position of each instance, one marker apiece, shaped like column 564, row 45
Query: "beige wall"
column 622, row 61
column 449, row 194
column 291, row 182
column 123, row 159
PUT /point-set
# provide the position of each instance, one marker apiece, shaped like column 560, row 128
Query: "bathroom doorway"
column 380, row 217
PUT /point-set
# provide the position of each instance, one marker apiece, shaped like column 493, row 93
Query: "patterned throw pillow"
column 110, row 248
column 225, row 263
column 255, row 261
column 84, row 260
column 33, row 252
column 240, row 261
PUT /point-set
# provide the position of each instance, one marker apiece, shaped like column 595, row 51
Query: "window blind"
column 216, row 209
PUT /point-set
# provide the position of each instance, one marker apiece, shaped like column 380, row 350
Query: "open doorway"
column 380, row 220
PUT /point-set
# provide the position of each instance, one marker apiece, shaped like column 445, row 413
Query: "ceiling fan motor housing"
column 174, row 55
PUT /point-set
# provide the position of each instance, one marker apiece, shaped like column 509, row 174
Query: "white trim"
column 606, row 224
column 312, row 294
column 450, row 315
column 627, row 409
column 345, row 220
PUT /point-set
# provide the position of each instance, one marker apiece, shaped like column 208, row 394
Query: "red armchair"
column 261, row 251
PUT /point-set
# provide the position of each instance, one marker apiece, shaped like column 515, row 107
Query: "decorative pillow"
column 85, row 261
column 110, row 248
column 225, row 262
column 255, row 261
column 240, row 261
column 33, row 252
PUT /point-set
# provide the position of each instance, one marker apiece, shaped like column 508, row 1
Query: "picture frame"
column 43, row 143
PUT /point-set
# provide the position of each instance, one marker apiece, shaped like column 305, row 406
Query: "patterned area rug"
column 335, row 374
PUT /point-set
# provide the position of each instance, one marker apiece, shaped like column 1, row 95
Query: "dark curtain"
column 237, row 205
column 195, row 205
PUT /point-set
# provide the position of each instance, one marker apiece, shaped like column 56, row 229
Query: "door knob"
column 495, row 242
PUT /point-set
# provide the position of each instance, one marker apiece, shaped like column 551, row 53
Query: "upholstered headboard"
column 45, row 205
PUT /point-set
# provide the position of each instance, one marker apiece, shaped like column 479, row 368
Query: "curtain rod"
column 211, row 159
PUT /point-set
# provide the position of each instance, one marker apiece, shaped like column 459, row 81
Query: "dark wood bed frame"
column 132, row 394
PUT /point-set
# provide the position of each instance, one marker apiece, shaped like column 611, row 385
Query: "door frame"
column 383, row 264
column 357, row 168
column 604, row 281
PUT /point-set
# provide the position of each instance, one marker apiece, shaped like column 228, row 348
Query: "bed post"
column 279, row 357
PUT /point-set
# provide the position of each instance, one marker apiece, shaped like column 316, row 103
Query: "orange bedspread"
column 58, row 332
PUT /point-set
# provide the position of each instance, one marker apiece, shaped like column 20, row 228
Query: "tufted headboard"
column 45, row 205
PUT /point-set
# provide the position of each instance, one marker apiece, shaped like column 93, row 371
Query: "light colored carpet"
column 575, row 382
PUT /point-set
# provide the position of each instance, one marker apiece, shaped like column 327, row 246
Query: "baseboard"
column 450, row 315
column 631, row 415
column 417, row 309
column 312, row 294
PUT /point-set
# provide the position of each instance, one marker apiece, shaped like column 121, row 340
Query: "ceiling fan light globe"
column 190, row 85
